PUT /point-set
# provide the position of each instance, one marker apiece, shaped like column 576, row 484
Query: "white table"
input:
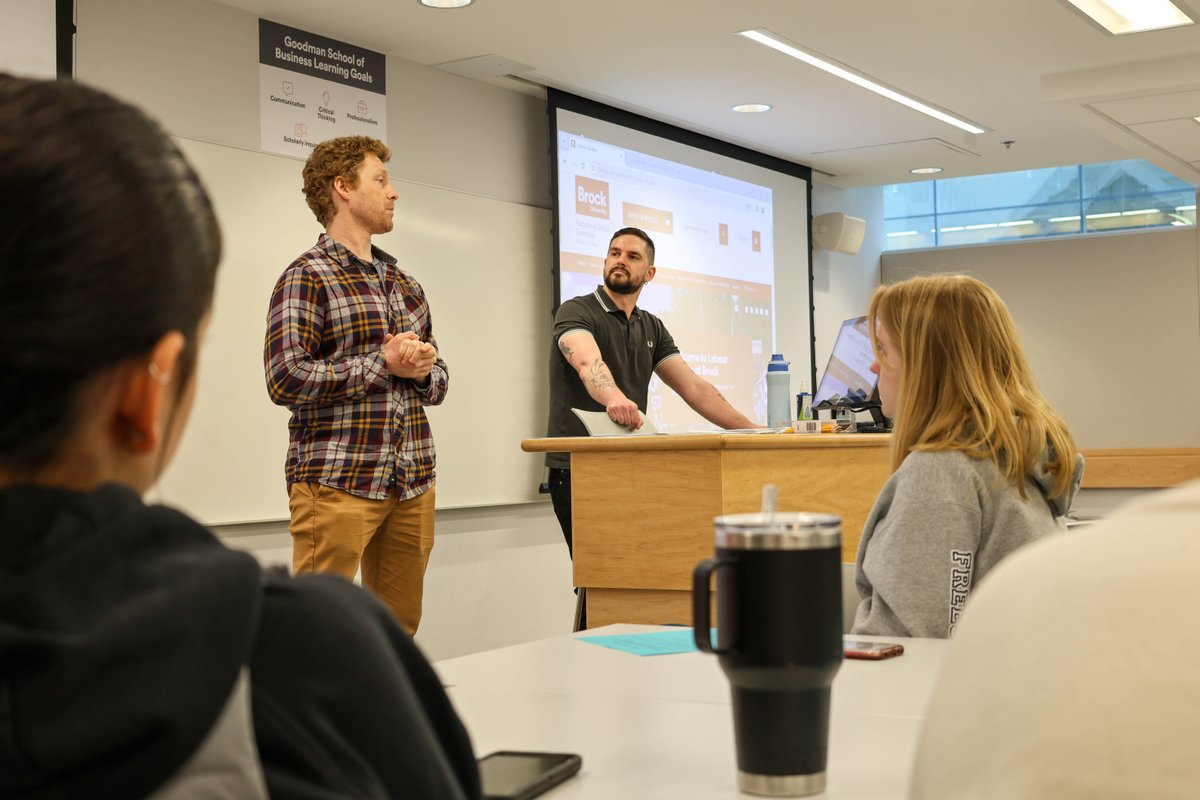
column 651, row 727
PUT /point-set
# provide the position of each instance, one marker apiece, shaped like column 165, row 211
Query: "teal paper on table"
column 670, row 643
column 657, row 643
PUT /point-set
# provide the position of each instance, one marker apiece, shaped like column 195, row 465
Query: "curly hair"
column 336, row 158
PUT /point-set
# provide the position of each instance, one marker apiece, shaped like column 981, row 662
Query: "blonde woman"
column 981, row 463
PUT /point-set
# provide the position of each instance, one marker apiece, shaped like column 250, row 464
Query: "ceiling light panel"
column 778, row 43
column 1120, row 17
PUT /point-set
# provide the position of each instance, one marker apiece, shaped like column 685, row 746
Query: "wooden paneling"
column 643, row 519
column 1147, row 468
column 643, row 506
column 649, row 607
column 841, row 481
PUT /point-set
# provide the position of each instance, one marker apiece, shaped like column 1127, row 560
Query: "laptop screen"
column 848, row 379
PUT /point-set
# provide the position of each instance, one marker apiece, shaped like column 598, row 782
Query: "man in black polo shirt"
column 604, row 353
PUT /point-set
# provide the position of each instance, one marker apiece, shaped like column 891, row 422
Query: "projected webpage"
column 715, row 261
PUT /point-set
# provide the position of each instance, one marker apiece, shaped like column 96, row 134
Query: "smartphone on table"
column 519, row 775
column 871, row 650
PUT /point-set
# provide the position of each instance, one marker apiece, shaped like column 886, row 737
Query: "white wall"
column 497, row 576
column 1111, row 324
column 193, row 64
column 28, row 45
column 1100, row 503
column 842, row 284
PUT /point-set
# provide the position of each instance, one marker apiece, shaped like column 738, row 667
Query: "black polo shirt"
column 632, row 347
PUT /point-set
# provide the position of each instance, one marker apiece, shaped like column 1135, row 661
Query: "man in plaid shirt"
column 350, row 351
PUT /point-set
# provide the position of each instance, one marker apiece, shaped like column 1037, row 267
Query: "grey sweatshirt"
column 941, row 523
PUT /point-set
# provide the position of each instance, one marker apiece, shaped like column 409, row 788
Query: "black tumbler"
column 779, row 641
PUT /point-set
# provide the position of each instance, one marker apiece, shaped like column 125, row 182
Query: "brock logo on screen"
column 591, row 197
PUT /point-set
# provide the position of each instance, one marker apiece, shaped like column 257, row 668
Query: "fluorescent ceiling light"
column 903, row 233
column 1185, row 208
column 771, row 40
column 1065, row 219
column 446, row 3
column 1119, row 17
column 750, row 108
column 925, row 170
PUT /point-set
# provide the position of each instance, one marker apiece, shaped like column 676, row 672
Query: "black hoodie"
column 123, row 629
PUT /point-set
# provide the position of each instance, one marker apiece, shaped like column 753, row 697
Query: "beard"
column 384, row 223
column 622, row 283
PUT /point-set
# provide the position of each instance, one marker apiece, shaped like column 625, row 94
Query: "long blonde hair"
column 964, row 381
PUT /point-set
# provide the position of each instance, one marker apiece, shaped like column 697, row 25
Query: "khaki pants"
column 335, row 531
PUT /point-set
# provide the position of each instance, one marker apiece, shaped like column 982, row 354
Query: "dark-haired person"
column 604, row 352
column 350, row 351
column 982, row 464
column 138, row 656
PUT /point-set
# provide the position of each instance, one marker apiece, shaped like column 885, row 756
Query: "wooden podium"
column 643, row 506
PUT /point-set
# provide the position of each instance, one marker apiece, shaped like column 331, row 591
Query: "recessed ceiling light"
column 446, row 3
column 1119, row 17
column 775, row 42
column 926, row 170
column 750, row 108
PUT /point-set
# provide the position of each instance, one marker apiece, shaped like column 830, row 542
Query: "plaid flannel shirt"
column 354, row 426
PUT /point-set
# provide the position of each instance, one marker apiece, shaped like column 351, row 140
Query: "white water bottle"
column 779, row 393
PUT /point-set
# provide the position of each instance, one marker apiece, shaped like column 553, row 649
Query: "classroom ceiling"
column 1050, row 87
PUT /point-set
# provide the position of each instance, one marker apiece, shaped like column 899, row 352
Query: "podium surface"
column 643, row 505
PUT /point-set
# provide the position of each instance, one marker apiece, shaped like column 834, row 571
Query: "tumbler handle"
column 701, row 622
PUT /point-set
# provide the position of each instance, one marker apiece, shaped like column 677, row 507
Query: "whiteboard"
column 29, row 39
column 485, row 267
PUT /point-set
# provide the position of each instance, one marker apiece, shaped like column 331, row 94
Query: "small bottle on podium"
column 804, row 406
column 779, row 392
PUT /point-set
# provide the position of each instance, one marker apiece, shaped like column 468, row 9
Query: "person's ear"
column 341, row 187
column 650, row 274
column 143, row 385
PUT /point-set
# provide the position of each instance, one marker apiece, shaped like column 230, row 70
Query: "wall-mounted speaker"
column 837, row 232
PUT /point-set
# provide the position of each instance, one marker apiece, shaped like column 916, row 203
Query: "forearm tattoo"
column 566, row 351
column 601, row 377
